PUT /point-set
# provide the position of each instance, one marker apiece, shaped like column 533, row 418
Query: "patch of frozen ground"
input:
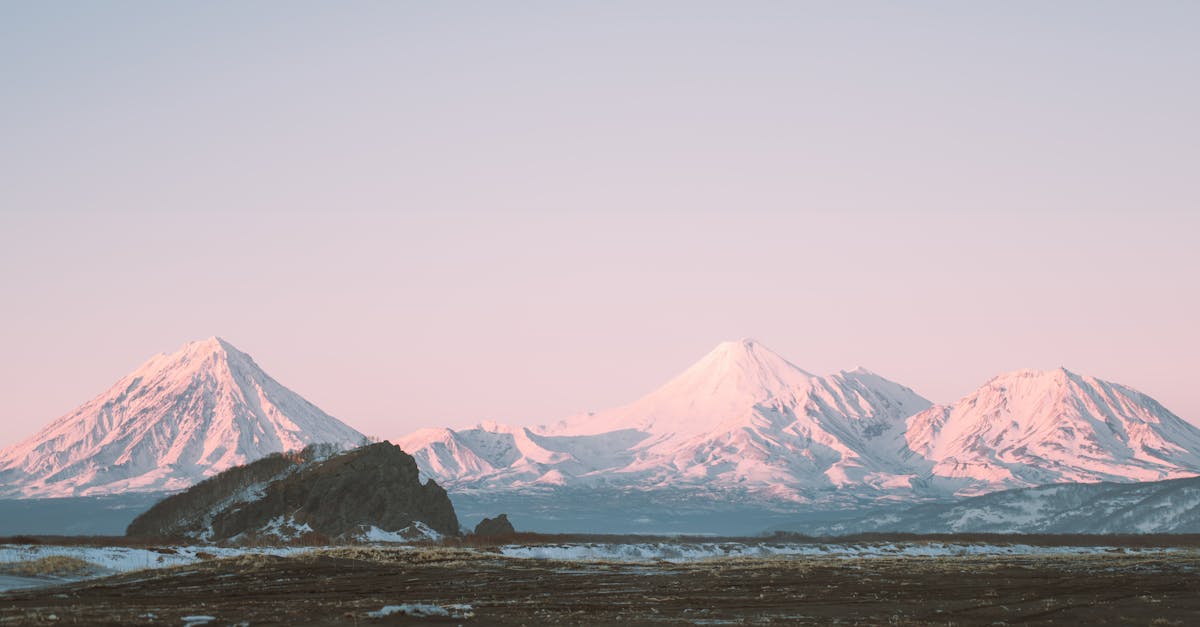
column 281, row 528
column 424, row 610
column 415, row 532
column 672, row 552
column 8, row 582
column 113, row 560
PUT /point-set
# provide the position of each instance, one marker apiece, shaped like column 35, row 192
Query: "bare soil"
column 341, row 587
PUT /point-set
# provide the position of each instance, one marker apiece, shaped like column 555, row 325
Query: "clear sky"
column 420, row 214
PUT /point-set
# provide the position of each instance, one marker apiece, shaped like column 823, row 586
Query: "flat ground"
column 343, row 586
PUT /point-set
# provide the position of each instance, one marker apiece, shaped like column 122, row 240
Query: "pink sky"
column 421, row 215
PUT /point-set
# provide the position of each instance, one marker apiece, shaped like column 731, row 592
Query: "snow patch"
column 425, row 610
column 690, row 552
column 416, row 532
column 112, row 560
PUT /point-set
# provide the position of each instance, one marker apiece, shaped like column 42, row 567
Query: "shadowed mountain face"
column 1171, row 506
column 174, row 421
column 287, row 495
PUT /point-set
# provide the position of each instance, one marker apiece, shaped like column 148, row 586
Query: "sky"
column 433, row 214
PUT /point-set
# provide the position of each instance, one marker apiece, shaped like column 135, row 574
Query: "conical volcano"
column 176, row 420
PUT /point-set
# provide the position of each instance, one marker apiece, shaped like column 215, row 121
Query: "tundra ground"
column 348, row 586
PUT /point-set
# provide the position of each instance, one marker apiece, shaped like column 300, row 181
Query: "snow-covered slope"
column 177, row 419
column 498, row 455
column 742, row 418
column 745, row 419
column 1032, row 427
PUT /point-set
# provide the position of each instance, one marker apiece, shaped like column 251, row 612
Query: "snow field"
column 675, row 553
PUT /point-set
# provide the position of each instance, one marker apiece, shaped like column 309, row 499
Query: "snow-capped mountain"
column 742, row 418
column 1030, row 428
column 174, row 421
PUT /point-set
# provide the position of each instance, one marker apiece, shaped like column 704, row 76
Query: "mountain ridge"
column 1035, row 427
column 743, row 417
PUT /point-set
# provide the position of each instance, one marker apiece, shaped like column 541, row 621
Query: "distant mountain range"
column 742, row 425
column 744, row 419
column 174, row 421
column 1171, row 506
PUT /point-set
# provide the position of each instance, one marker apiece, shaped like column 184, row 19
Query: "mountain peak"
column 1027, row 427
column 741, row 417
column 727, row 382
column 746, row 354
column 212, row 355
column 1035, row 373
column 208, row 345
column 177, row 419
column 744, row 368
column 744, row 344
column 1029, row 378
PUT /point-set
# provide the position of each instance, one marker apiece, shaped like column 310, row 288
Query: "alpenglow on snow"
column 174, row 421
column 744, row 419
column 741, row 418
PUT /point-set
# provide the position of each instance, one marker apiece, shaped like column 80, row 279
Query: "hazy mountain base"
column 579, row 511
column 74, row 516
column 1152, row 507
column 1171, row 506
column 659, row 512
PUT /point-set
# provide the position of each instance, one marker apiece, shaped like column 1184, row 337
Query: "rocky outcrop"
column 373, row 486
column 190, row 513
column 494, row 527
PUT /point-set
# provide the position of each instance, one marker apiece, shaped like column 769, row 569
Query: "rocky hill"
column 373, row 491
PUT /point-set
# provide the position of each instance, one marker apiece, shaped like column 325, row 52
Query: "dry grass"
column 338, row 585
column 426, row 555
column 95, row 541
column 52, row 566
column 249, row 562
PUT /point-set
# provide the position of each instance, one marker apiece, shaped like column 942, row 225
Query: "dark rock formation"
column 188, row 513
column 376, row 485
column 494, row 527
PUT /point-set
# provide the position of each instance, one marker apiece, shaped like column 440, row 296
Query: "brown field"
column 341, row 587
column 1045, row 539
column 53, row 566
